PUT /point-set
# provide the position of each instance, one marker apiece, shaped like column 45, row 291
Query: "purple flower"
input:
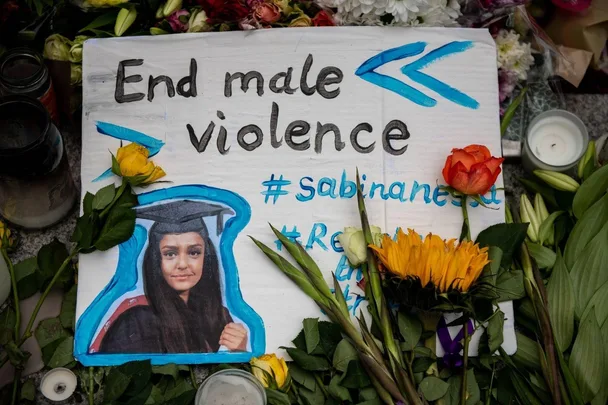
column 179, row 20
column 506, row 84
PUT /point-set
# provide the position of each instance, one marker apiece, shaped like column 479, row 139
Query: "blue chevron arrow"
column 367, row 72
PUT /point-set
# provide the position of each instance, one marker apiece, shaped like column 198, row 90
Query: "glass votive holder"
column 555, row 140
column 36, row 185
column 231, row 387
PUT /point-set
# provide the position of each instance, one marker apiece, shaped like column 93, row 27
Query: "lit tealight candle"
column 555, row 140
column 58, row 384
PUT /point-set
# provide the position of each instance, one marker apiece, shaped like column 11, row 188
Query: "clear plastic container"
column 231, row 387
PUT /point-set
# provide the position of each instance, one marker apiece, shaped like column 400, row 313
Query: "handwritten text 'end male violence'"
column 249, row 137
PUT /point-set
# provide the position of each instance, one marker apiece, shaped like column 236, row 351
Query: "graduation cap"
column 184, row 216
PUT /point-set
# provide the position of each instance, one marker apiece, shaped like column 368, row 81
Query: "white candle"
column 555, row 140
column 58, row 384
column 231, row 387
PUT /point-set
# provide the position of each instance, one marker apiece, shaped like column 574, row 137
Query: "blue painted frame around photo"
column 125, row 280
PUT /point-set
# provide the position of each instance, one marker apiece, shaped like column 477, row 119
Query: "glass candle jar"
column 36, row 186
column 22, row 71
column 555, row 140
column 231, row 387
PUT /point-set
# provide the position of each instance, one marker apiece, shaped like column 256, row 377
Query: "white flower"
column 512, row 55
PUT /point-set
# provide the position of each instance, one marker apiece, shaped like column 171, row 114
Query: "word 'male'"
column 296, row 133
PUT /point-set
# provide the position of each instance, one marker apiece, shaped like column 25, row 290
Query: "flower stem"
column 193, row 378
column 11, row 270
column 465, row 363
column 16, row 382
column 465, row 233
column 91, row 387
column 28, row 329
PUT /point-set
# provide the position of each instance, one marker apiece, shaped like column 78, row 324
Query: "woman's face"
column 182, row 259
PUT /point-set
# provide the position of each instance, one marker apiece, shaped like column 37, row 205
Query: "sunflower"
column 443, row 265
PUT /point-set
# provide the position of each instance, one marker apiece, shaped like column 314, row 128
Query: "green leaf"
column 602, row 396
column 275, row 397
column 139, row 373
column 586, row 275
column 507, row 237
column 301, row 376
column 355, row 376
column 545, row 257
column 599, row 302
column 433, row 388
column 62, row 355
column 585, row 230
column 311, row 334
column 337, row 391
column 290, row 271
column 527, row 352
column 115, row 384
column 524, row 391
column 312, row 397
column 67, row 315
column 308, row 265
column 87, row 203
column 101, row 21
column 49, row 331
column 128, row 199
column 590, row 191
column 561, row 299
column 104, row 197
column 28, row 390
column 50, row 257
column 422, row 364
column 118, row 228
column 585, row 363
column 510, row 111
column 495, row 330
column 330, row 335
column 367, row 394
column 490, row 271
column 86, row 230
column 375, row 401
column 170, row 369
column 27, row 277
column 307, row 361
column 344, row 353
column 16, row 356
column 410, row 329
column 300, row 341
column 546, row 230
column 510, row 285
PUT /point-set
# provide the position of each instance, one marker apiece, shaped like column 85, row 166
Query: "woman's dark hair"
column 197, row 326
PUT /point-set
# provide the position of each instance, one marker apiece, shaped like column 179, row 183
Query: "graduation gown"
column 139, row 330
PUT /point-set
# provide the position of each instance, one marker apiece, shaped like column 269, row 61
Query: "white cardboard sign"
column 259, row 127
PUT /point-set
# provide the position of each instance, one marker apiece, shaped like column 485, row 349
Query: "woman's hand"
column 234, row 337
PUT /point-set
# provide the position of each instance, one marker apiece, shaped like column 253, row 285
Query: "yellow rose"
column 301, row 21
column 133, row 164
column 284, row 6
column 269, row 365
column 7, row 240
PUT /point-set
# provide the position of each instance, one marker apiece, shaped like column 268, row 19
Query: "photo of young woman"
column 183, row 310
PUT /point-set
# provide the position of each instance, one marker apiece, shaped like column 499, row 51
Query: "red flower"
column 224, row 11
column 472, row 170
column 323, row 19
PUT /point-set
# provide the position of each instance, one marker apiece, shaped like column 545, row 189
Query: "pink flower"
column 179, row 20
column 267, row 12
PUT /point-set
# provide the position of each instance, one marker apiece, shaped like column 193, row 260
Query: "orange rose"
column 472, row 170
